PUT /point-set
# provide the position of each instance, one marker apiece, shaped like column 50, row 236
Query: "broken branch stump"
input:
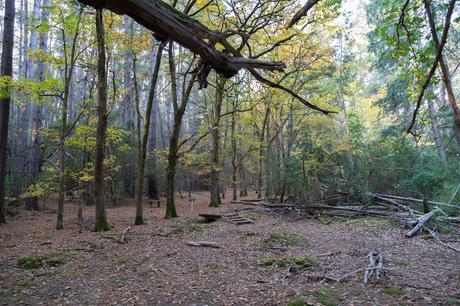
column 374, row 270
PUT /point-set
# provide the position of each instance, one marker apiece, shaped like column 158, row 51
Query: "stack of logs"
column 399, row 209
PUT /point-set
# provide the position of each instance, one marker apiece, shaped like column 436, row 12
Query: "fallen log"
column 208, row 244
column 414, row 200
column 419, row 223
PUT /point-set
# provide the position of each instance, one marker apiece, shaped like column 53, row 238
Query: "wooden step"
column 237, row 219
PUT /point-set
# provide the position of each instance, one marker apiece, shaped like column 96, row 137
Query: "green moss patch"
column 181, row 229
column 284, row 240
column 327, row 296
column 396, row 292
column 53, row 259
column 452, row 301
column 252, row 216
column 298, row 261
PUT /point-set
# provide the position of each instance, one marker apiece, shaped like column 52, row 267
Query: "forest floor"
column 156, row 266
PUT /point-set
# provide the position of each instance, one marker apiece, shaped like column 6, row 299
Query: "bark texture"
column 101, row 223
column 143, row 151
column 6, row 70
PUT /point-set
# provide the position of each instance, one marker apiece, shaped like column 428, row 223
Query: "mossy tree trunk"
column 174, row 146
column 215, row 166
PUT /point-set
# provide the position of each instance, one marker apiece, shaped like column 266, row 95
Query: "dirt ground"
column 156, row 266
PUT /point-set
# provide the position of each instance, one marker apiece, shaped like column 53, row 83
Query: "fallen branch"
column 122, row 238
column 208, row 244
column 419, row 223
column 435, row 236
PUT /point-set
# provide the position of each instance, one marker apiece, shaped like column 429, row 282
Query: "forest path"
column 156, row 267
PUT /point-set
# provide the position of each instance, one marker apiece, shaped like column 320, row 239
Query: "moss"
column 139, row 220
column 191, row 226
column 396, row 292
column 327, row 296
column 122, row 260
column 252, row 216
column 401, row 263
column 55, row 262
column 284, row 240
column 30, row 262
column 170, row 210
column 324, row 220
column 101, row 225
column 452, row 301
column 218, row 270
column 8, row 294
column 214, row 204
column 53, row 259
column 370, row 222
column 298, row 261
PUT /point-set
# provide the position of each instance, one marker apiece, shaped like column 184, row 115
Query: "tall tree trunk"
column 17, row 164
column 6, row 70
column 445, row 73
column 215, row 136
column 37, row 121
column 101, row 223
column 143, row 150
column 260, row 179
column 152, row 177
column 436, row 133
column 68, row 74
column 26, row 113
column 179, row 111
column 234, row 154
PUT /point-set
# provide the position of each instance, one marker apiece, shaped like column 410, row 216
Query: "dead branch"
column 419, row 223
column 374, row 269
column 208, row 244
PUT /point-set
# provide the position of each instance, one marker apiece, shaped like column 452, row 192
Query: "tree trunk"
column 215, row 166
column 6, row 70
column 37, row 121
column 179, row 111
column 445, row 74
column 152, row 178
column 26, row 113
column 68, row 73
column 234, row 156
column 260, row 180
column 171, row 171
column 436, row 133
column 143, row 150
column 101, row 223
